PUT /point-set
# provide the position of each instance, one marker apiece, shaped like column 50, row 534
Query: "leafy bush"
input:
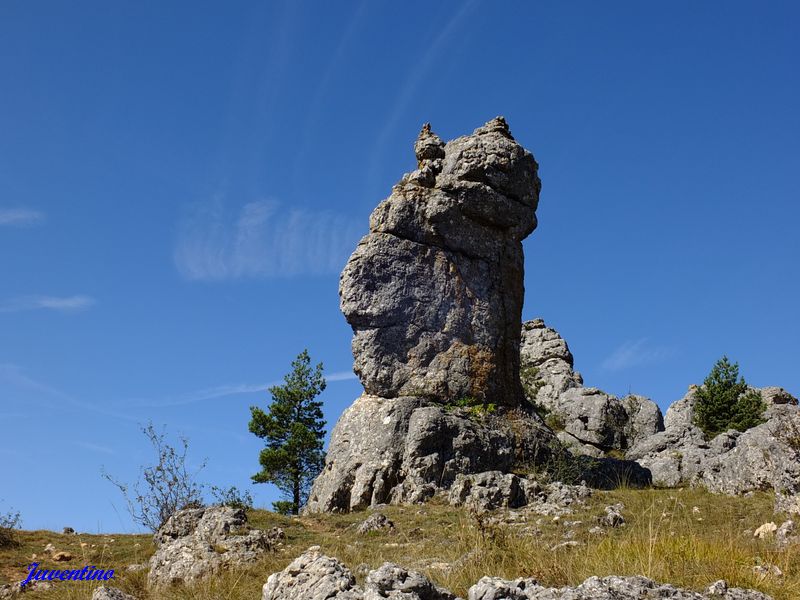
column 8, row 523
column 232, row 497
column 164, row 487
column 725, row 402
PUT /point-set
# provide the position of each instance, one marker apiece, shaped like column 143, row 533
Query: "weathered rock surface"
column 765, row 457
column 375, row 522
column 405, row 450
column 314, row 576
column 194, row 543
column 434, row 292
column 110, row 593
column 603, row 588
column 589, row 421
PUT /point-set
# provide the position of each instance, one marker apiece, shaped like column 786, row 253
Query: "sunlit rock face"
column 434, row 291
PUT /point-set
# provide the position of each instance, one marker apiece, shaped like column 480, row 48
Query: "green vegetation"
column 163, row 487
column 724, row 401
column 294, row 432
column 477, row 409
column 555, row 422
column 665, row 538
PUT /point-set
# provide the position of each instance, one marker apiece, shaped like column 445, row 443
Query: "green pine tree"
column 724, row 401
column 294, row 432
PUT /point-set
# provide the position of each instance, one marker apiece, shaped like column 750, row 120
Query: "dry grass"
column 665, row 538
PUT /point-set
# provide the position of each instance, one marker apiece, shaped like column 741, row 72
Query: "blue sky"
column 181, row 183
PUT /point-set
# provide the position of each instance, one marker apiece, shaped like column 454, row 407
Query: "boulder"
column 110, row 593
column 589, row 421
column 375, row 522
column 194, row 543
column 314, row 576
column 405, row 450
column 491, row 490
column 434, row 291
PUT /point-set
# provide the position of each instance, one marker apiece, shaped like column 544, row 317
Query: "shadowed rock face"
column 434, row 292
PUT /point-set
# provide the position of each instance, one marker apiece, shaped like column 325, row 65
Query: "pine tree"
column 294, row 432
column 725, row 401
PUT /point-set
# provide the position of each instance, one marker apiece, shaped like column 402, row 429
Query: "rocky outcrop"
column 493, row 490
column 197, row 542
column 588, row 420
column 314, row 576
column 765, row 457
column 405, row 450
column 434, row 292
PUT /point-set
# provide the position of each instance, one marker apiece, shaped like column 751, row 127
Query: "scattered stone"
column 783, row 535
column 49, row 548
column 495, row 588
column 194, row 543
column 766, row 530
column 613, row 516
column 135, row 568
column 375, row 522
column 764, row 571
column 110, row 593
column 597, row 530
column 62, row 556
column 68, row 531
column 564, row 546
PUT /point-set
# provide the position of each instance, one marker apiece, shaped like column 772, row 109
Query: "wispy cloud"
column 20, row 216
column 263, row 240
column 57, row 303
column 94, row 447
column 634, row 353
column 223, row 391
column 15, row 378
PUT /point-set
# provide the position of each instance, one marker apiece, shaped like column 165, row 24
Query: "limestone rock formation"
column 762, row 458
column 434, row 292
column 314, row 576
column 405, row 450
column 589, row 420
column 196, row 542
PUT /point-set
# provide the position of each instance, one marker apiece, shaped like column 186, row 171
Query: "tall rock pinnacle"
column 434, row 291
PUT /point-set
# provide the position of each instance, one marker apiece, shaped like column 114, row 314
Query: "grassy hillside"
column 685, row 537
